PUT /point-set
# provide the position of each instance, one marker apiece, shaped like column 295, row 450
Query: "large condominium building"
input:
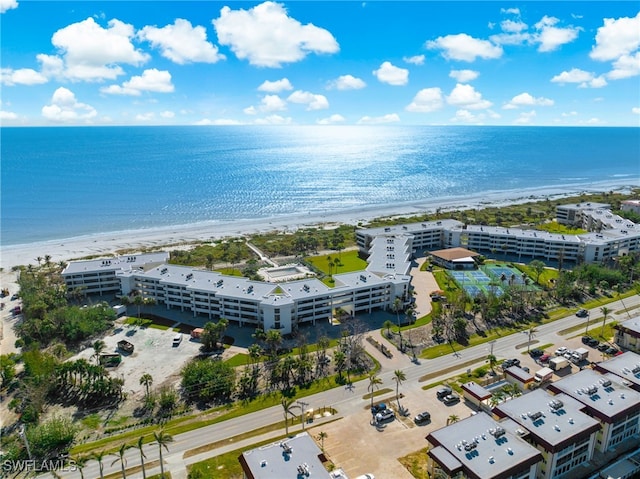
column 608, row 236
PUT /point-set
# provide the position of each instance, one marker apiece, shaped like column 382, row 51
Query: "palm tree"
column 123, row 462
column 322, row 436
column 397, row 306
column 452, row 418
column 492, row 360
column 374, row 383
column 387, row 325
column 162, row 438
column 98, row 347
column 287, row 406
column 531, row 332
column 80, row 462
column 398, row 377
column 99, row 456
column 605, row 312
column 139, row 445
column 147, row 380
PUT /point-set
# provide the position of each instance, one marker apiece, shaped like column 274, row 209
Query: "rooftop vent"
column 605, row 383
column 556, row 427
column 163, row 271
column 189, row 276
column 491, row 460
column 636, row 369
column 555, row 404
column 363, row 278
column 591, row 390
column 535, row 415
column 510, row 451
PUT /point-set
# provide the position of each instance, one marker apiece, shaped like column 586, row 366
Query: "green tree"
column 287, row 405
column 452, row 418
column 99, row 456
column 163, row 439
column 493, row 361
column 123, row 461
column 208, row 380
column 532, row 334
column 80, row 463
column 146, row 380
column 387, row 325
column 605, row 314
column 374, row 384
column 51, row 437
column 397, row 307
column 398, row 377
column 140, row 445
column 538, row 268
column 322, row 436
column 7, row 369
column 98, row 348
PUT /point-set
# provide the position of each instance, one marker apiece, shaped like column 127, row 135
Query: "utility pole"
column 302, row 405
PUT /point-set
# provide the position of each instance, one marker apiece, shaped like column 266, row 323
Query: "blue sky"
column 328, row 62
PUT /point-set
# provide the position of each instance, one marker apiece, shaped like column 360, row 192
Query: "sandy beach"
column 133, row 240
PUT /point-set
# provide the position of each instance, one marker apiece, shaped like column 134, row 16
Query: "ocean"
column 63, row 182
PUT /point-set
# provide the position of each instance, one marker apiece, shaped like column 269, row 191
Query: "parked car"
column 586, row 339
column 510, row 362
column 560, row 351
column 536, row 353
column 443, row 392
column 15, row 296
column 422, row 418
column 611, row 351
column 451, row 399
column 602, row 347
column 593, row 342
column 366, row 476
column 544, row 358
column 568, row 354
column 582, row 313
column 177, row 339
column 376, row 408
column 386, row 415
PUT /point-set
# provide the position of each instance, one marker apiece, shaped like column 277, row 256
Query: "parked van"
column 544, row 374
column 177, row 339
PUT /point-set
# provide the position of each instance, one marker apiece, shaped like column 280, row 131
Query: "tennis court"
column 490, row 279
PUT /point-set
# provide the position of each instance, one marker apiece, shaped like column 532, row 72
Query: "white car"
column 560, row 351
column 366, row 476
column 177, row 339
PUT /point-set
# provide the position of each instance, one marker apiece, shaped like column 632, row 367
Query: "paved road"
column 349, row 400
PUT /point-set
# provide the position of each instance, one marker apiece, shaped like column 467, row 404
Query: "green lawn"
column 347, row 262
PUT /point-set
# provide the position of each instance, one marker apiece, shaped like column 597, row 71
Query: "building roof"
column 605, row 396
column 293, row 458
column 117, row 263
column 453, row 254
column 411, row 228
column 518, row 373
column 553, row 421
column 482, row 447
column 476, row 390
column 630, row 326
column 626, row 366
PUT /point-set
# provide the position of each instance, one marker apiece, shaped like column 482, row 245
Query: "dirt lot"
column 153, row 354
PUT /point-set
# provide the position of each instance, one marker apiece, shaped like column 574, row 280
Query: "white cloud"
column 551, row 37
column 616, row 38
column 525, row 99
column 636, row 110
column 22, row 76
column 7, row 115
column 347, row 82
column 276, row 86
column 570, row 114
column 167, row 114
column 377, row 120
column 466, row 116
column 426, row 100
column 145, row 116
column 150, row 80
column 50, row 65
column 393, row 75
column 7, row 5
column 92, row 53
column 584, row 78
column 182, row 43
column 525, row 118
column 464, row 76
column 267, row 37
column 513, row 11
column 464, row 47
column 250, row 110
column 268, row 104
column 313, row 101
column 65, row 108
column 467, row 97
column 415, row 60
column 513, row 26
column 217, row 122
column 274, row 120
column 332, row 120
column 625, row 67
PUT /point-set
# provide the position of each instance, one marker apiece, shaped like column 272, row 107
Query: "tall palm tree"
column 139, row 445
column 492, row 360
column 374, row 383
column 605, row 312
column 162, row 438
column 98, row 347
column 99, row 456
column 397, row 306
column 80, row 462
column 123, row 462
column 287, row 406
column 398, row 377
column 147, row 380
column 322, row 436
column 387, row 325
column 532, row 335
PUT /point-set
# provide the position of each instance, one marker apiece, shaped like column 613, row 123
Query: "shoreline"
column 107, row 243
